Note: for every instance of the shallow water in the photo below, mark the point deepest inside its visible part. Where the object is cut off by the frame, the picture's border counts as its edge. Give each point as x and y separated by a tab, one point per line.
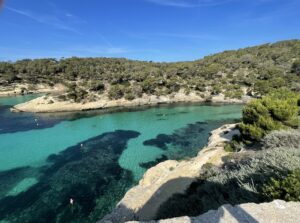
92	158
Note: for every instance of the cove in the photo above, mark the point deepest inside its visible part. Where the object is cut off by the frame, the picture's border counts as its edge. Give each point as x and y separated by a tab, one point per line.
93	158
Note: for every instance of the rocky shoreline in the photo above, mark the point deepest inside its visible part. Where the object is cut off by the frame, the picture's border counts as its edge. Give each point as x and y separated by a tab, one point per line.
167	178
25	89
277	211
48	104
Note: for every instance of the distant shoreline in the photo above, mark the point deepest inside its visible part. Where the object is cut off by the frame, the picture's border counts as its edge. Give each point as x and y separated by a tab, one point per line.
50	104
15	90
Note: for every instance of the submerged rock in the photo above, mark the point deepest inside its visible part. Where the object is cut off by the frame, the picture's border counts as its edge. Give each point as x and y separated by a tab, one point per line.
79	184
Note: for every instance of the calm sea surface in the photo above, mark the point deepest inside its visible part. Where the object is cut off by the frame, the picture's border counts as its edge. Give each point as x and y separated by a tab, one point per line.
92	157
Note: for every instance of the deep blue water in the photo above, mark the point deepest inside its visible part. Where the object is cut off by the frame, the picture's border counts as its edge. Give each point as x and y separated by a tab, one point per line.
92	157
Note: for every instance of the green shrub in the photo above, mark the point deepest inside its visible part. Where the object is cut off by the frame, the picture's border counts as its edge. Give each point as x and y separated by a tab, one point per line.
287	188
296	67
233	146
116	92
97	86
228	148
149	85
254	110
76	93
277	110
217	89
234	93
129	94
251	132
173	85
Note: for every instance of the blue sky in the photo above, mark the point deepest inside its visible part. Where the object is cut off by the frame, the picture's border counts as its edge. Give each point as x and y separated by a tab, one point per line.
157	30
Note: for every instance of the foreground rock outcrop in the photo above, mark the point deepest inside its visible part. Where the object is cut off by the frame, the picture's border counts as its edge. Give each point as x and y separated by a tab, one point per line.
164	180
274	212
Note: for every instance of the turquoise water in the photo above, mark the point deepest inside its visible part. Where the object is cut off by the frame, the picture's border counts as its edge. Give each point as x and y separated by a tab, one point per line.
174	132
17	99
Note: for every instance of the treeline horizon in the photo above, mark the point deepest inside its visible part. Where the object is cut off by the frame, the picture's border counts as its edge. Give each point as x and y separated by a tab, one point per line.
140	60
257	69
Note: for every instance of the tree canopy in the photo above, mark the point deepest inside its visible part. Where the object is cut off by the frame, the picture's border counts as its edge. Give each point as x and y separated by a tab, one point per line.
258	69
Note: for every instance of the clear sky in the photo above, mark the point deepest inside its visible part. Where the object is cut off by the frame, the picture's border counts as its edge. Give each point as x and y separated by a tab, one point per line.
157	30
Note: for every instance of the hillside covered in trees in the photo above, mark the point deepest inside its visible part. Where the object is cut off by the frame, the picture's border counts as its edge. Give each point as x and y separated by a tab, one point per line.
253	71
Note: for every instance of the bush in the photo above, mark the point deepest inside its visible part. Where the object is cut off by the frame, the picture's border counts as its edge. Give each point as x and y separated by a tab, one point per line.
287	188
234	146
254	110
277	110
234	93
129	94
296	67
251	132
278	139
97	86
173	85
149	85
116	92
76	93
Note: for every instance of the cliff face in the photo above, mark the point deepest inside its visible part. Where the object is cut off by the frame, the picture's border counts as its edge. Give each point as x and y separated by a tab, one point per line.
162	181
275	212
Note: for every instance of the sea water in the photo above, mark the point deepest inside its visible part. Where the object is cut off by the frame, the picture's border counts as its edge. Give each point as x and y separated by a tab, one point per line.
93	157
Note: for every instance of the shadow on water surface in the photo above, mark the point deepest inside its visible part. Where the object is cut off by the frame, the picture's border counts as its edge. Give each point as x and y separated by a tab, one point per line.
186	141
182	143
150	164
12	122
88	173
16	122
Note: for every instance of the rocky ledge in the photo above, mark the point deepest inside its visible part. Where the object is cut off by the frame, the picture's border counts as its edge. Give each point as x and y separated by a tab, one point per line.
275	212
167	178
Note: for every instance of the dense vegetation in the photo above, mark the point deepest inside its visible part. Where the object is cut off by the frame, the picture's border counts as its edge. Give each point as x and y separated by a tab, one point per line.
287	188
277	110
256	70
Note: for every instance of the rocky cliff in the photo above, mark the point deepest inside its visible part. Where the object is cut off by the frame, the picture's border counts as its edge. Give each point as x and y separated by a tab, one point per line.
162	181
